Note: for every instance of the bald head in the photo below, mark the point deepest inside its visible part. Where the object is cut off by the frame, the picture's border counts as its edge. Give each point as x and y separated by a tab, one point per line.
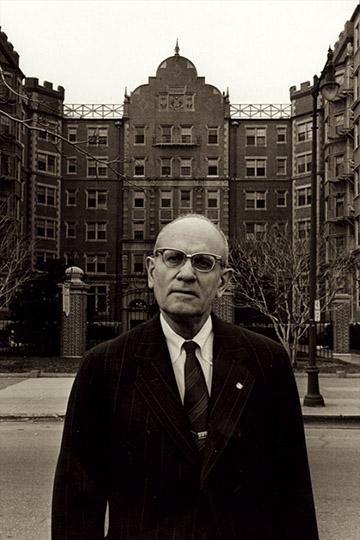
196	229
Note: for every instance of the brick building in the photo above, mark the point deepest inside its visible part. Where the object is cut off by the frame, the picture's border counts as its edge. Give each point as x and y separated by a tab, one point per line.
97	196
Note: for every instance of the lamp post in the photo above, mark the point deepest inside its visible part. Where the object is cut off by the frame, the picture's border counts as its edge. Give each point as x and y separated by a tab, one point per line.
327	85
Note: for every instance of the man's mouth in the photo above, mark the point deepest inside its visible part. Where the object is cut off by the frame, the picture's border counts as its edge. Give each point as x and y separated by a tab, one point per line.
186	293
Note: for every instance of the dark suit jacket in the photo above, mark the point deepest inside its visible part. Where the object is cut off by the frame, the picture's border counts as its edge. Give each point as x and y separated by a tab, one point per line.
126	441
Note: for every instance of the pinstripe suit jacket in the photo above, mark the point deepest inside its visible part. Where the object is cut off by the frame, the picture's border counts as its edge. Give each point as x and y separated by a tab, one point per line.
126	441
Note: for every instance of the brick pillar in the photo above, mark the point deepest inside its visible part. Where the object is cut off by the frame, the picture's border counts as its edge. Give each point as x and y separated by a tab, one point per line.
341	324
73	323
224	307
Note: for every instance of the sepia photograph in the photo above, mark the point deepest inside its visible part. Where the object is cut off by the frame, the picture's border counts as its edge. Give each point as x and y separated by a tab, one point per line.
180	269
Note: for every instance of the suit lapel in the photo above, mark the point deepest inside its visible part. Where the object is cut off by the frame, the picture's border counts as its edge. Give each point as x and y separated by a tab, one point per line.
231	386
157	385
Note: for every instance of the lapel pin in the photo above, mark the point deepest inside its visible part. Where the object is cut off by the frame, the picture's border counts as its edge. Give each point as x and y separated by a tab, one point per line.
239	386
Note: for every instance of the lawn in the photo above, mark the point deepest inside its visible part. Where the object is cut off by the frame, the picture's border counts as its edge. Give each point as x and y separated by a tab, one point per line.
55	364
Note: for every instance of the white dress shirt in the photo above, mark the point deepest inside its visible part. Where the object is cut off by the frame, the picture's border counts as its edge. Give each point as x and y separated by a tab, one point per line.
204	353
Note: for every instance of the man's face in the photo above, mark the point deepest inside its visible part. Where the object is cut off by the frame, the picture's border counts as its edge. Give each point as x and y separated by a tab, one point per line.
183	292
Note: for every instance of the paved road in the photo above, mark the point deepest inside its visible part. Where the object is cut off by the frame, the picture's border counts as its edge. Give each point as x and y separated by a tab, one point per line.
29	451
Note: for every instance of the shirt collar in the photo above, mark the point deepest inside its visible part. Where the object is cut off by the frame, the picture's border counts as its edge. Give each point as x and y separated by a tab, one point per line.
175	342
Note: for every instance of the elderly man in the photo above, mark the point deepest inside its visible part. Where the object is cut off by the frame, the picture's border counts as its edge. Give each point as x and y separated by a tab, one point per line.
188	427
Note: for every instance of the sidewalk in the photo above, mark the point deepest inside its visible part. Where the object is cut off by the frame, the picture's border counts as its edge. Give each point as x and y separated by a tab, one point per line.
45	398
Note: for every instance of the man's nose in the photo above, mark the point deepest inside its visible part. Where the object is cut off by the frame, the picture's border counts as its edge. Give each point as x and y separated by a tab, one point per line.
187	271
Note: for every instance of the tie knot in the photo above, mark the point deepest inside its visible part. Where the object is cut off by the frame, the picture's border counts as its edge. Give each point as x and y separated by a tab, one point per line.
190	347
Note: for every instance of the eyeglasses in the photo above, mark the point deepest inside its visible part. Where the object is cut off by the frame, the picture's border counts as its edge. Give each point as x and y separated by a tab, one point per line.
175	258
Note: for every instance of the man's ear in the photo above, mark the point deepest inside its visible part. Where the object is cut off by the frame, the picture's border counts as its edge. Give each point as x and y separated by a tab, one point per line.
150	266
224	281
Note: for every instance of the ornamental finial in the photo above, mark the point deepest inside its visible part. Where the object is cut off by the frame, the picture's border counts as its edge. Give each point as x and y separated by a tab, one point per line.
177	48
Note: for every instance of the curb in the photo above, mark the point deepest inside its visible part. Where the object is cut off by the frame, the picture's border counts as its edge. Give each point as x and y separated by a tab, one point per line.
332	420
308	419
36	374
32	417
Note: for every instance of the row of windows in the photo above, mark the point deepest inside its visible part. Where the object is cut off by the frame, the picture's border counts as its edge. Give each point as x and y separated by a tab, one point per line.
96	199
254	167
96	136
185	167
257	136
256	230
170	134
256	200
183	134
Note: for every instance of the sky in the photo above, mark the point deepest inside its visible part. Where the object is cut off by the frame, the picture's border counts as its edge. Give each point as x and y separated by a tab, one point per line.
94	49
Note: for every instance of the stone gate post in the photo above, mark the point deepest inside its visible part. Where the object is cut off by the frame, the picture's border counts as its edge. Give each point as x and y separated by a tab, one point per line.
73	320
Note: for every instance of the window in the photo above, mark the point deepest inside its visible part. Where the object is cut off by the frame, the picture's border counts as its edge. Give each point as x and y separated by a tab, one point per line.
213	167
71	165
339	205
186	134
139	231
213	135
70	229
166	134
212	199
165	167
254	231
97	300
45	228
97	168
5	125
5	164
46	195
139	167
339	165
72	133
138	264
303	196
281	165
139	206
255	136
166	204
303	229
139	135
281	134
49	131
97	136
139	201
185	167
339	119
255	167
96	230
303	164
97	199
356	37
70	197
281	197
185	199
43	257
255	200
304	131
280	228
46	162
165	199
95	264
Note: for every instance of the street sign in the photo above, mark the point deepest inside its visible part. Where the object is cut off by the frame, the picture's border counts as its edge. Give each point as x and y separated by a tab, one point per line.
317	311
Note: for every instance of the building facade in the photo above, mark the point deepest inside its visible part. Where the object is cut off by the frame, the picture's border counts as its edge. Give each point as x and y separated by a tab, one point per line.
93	185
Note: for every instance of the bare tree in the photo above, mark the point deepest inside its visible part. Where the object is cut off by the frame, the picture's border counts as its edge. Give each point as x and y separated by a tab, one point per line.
15	253
271	275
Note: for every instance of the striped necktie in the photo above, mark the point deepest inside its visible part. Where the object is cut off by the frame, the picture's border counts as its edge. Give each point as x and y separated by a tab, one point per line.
196	396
